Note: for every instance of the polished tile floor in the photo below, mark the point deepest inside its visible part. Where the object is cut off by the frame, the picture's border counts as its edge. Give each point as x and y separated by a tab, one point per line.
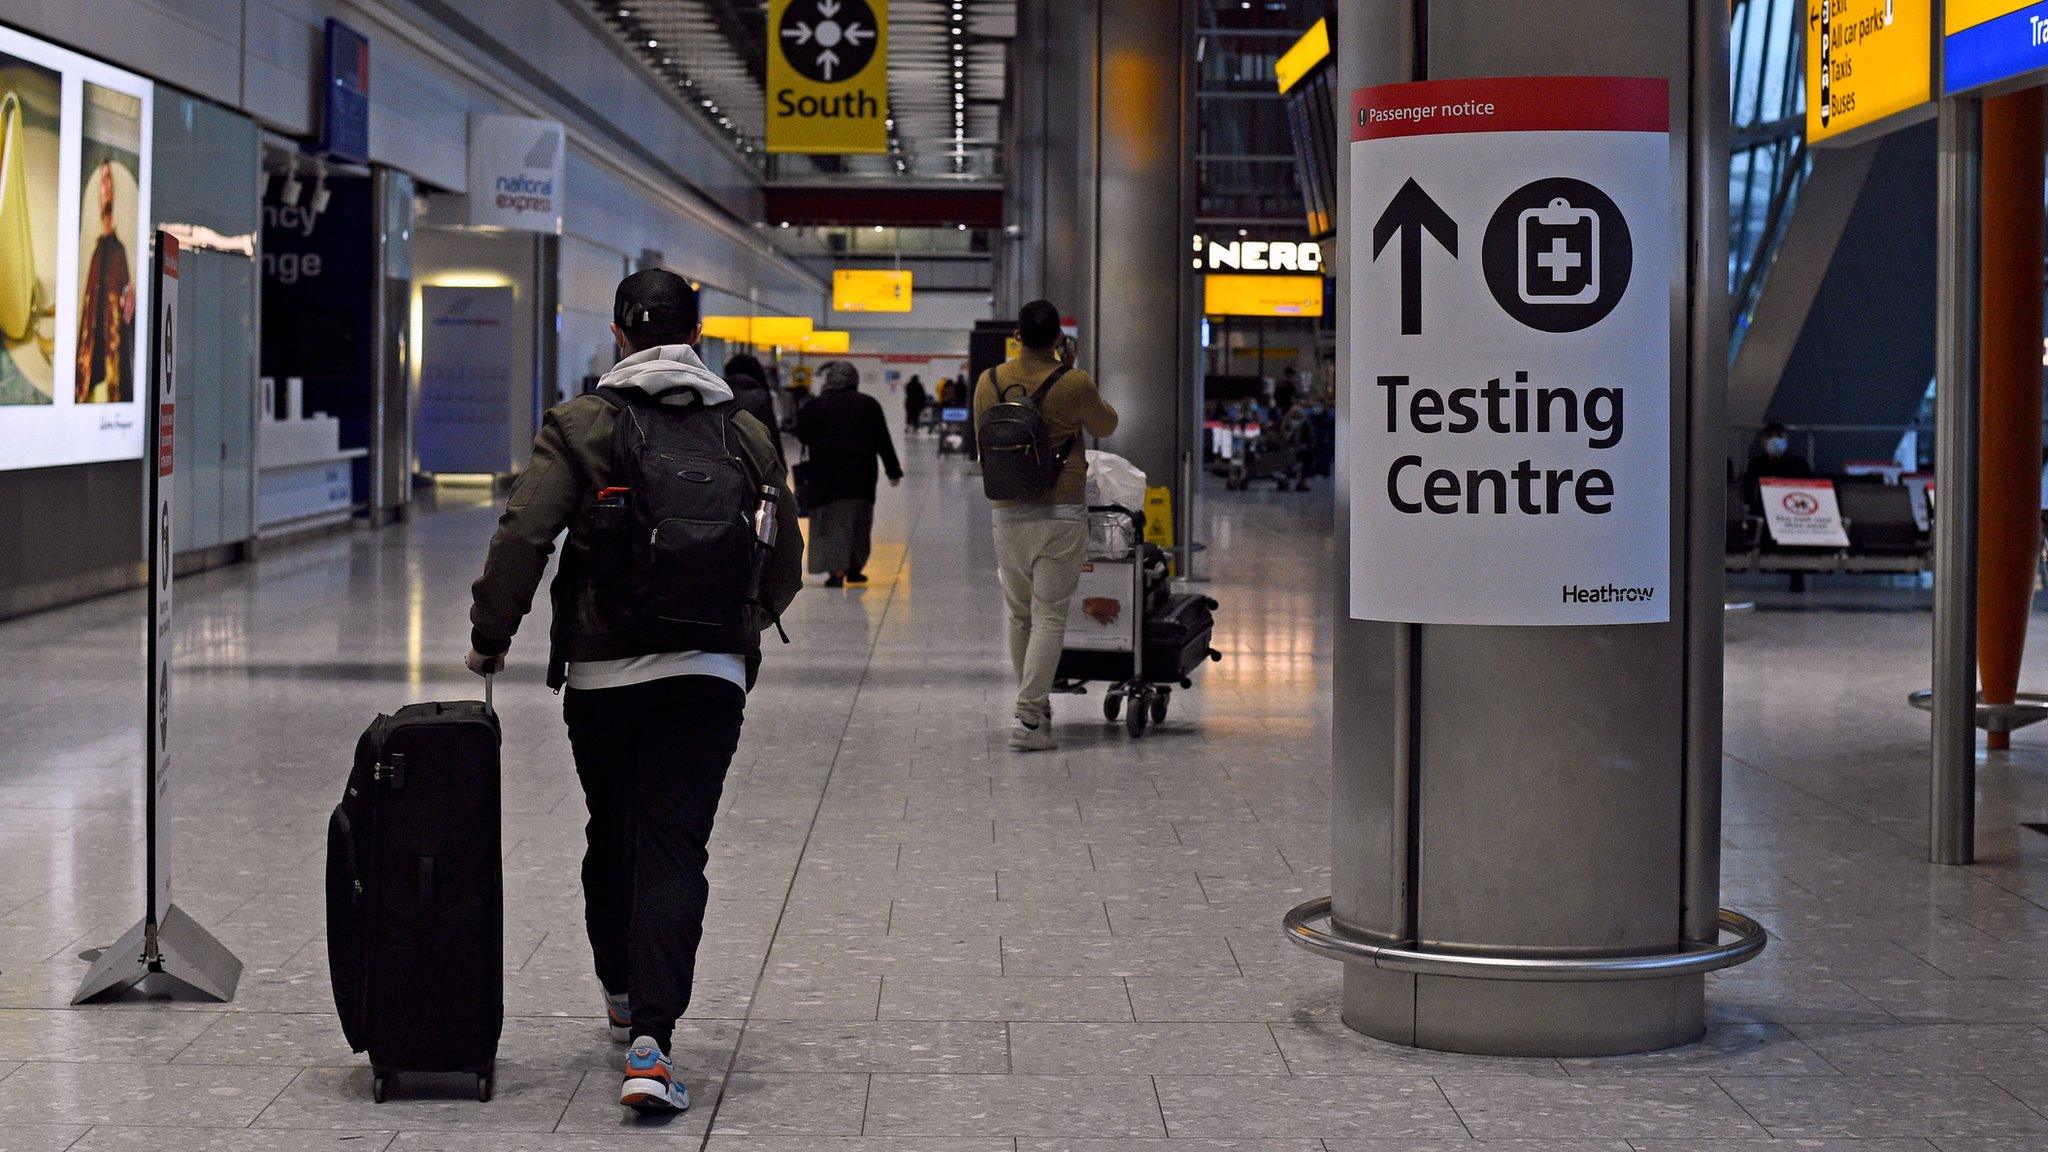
921	943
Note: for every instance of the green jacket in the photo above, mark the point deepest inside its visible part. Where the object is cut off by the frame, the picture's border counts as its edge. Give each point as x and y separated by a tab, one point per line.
572	460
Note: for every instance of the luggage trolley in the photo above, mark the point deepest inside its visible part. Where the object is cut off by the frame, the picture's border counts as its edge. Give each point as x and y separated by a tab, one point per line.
1121	585
953	430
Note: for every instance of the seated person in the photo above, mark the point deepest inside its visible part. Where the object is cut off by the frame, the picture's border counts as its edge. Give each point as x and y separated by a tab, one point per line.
1773	457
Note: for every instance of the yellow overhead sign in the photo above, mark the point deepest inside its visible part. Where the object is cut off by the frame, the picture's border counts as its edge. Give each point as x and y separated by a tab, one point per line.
783	331
870	290
1960	14
1225	294
1312	49
736	328
1866	61
825	340
828	76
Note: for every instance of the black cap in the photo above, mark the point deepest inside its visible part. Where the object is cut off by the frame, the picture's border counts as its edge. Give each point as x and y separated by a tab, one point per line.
656	304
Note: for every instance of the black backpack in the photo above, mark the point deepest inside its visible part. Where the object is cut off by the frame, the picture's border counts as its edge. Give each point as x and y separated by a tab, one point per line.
676	558
1018	458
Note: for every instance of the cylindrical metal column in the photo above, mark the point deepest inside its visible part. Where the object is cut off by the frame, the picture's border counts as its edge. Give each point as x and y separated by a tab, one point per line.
1518	844
1952	807
1118	211
2009	445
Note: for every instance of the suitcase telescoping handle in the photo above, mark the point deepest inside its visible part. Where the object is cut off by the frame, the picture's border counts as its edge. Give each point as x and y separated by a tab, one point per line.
490	678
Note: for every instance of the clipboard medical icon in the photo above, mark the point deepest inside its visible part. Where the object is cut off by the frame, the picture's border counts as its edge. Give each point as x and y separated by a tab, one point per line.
1558	254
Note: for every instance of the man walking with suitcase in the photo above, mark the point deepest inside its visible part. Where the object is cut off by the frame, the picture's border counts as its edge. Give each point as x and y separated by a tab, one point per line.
1029	414
683	545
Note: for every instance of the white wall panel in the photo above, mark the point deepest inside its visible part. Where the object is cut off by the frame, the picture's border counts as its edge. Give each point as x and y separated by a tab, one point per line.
191	43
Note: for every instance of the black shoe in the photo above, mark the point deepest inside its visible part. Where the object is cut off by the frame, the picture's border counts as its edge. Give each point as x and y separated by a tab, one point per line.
856	577
835	582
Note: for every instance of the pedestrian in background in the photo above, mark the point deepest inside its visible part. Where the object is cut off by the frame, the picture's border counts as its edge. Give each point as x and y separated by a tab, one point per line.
749	383
846	433
915	400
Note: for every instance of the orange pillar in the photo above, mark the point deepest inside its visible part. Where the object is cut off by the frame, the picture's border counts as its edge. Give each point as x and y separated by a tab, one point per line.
2009	452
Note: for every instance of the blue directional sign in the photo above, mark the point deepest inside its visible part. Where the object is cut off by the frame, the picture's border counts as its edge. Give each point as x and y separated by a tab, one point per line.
1992	40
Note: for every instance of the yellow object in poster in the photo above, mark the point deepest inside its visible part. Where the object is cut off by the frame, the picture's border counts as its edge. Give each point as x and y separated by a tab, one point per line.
870	290
1159	516
1012	347
1227	294
828	76
1866	61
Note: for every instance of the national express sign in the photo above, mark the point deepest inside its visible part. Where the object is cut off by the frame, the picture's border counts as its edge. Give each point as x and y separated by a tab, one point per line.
828	76
515	173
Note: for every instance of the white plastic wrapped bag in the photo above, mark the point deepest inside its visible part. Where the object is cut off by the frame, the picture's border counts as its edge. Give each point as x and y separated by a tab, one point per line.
1114	480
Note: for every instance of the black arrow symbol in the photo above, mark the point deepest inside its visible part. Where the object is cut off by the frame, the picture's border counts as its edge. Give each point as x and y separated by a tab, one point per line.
1411	213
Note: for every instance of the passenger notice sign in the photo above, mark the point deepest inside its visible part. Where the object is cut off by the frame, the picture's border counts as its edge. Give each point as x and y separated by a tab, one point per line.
828	76
1509	435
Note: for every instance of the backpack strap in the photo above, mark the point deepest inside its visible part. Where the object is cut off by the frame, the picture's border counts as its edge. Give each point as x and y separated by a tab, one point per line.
1067	446
1045	388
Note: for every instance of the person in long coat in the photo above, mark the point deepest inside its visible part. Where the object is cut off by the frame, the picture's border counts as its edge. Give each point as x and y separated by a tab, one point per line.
846	433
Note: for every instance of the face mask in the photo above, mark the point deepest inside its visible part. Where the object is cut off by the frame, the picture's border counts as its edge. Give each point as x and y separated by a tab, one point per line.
1775	445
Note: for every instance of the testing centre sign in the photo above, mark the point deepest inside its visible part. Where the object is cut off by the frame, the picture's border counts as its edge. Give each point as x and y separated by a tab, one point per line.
1868	62
1510	415
828	76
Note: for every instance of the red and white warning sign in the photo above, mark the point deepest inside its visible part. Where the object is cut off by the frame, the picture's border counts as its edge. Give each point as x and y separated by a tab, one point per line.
1802	512
1509	432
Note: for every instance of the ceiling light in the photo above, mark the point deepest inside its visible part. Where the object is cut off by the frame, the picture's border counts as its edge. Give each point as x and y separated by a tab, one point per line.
878	227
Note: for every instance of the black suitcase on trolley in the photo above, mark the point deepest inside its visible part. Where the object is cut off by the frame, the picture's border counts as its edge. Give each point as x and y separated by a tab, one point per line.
1177	637
415	895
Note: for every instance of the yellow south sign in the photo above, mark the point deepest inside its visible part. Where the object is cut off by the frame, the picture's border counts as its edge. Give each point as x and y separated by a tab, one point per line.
828	76
1866	61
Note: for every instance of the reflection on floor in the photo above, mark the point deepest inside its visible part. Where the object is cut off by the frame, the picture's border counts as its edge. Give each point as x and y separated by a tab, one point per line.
922	943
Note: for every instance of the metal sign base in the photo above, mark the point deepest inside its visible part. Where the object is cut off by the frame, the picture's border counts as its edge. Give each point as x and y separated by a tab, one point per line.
178	948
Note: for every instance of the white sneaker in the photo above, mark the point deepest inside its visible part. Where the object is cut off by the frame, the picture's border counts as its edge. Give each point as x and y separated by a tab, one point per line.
1032	738
618	1016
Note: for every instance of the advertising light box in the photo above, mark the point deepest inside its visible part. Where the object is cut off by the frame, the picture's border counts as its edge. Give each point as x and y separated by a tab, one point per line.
74	256
1227	294
870	290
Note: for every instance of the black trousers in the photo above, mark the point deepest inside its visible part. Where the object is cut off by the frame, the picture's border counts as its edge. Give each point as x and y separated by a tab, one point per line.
652	758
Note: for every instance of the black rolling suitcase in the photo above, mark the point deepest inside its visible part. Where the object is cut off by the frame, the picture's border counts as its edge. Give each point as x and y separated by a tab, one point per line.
415	895
1177	637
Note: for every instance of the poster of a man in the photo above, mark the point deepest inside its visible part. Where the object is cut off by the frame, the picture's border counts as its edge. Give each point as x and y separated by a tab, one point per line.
30	118
107	247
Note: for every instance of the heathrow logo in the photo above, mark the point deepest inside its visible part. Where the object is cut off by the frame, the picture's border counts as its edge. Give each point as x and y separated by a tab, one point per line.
829	40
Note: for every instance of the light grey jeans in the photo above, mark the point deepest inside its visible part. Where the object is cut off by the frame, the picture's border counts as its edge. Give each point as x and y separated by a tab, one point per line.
1039	555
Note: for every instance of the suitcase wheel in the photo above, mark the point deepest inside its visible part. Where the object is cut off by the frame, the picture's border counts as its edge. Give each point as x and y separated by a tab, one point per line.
379	1086
485	1081
1112	705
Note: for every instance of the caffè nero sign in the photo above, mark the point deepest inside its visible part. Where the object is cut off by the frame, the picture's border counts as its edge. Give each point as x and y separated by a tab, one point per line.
1258	255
